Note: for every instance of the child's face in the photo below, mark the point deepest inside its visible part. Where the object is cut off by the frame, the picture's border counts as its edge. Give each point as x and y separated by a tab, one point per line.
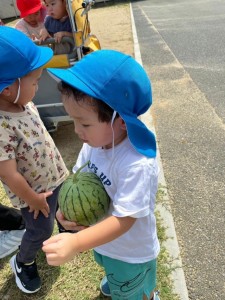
33	19
56	8
87	126
28	87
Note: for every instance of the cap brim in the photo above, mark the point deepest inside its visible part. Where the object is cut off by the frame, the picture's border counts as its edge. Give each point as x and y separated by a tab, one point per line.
70	78
46	54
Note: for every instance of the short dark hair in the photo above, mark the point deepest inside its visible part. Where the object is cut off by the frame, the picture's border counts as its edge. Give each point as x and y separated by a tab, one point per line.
103	110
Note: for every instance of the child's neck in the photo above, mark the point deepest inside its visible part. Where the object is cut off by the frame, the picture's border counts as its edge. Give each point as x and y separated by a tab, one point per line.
10	107
63	18
117	141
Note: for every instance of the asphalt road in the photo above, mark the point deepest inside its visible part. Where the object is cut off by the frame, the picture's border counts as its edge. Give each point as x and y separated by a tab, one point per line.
182	48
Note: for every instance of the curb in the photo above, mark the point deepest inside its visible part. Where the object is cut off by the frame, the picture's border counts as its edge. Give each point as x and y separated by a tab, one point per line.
172	246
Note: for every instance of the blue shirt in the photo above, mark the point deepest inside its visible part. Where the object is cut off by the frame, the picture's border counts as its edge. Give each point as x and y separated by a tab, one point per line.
53	25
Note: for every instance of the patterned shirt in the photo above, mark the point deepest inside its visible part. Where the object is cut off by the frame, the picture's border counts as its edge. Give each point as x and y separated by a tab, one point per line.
23	137
23	26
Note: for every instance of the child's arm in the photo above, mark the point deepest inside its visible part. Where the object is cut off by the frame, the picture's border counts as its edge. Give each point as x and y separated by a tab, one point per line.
19	186
59	35
63	247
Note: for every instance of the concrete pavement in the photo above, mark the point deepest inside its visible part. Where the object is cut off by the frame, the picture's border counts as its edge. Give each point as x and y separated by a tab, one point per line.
190	132
171	244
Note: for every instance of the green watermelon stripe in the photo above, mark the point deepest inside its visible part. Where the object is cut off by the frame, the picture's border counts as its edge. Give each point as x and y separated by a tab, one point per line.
61	202
99	197
95	183
71	212
81	205
65	206
91	208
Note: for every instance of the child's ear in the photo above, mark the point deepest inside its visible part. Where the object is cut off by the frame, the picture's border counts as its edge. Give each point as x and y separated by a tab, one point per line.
6	91
123	124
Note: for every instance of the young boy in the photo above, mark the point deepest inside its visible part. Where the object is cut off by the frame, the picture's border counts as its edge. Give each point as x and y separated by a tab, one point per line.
105	93
57	25
31	22
31	167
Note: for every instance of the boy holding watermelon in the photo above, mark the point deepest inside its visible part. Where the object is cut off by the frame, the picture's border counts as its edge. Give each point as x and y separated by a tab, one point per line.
105	93
31	167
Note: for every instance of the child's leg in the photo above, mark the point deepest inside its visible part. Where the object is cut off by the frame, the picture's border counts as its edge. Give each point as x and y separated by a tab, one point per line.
153	296
37	230
128	281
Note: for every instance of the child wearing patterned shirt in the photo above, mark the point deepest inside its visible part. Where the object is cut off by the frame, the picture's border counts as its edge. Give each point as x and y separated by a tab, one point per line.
31	167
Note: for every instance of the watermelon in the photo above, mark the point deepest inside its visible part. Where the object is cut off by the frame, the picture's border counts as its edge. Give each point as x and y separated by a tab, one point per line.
83	199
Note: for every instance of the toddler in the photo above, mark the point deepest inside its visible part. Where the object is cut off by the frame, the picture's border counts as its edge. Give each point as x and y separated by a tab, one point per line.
31	167
32	15
57	25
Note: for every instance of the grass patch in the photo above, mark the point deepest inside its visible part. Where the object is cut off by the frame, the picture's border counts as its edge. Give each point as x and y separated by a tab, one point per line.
80	278
165	268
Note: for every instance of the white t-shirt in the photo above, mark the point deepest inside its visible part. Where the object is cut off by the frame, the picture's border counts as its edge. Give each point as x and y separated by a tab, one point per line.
131	181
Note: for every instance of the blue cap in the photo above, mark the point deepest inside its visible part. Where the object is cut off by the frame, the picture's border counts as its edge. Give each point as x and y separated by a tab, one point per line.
19	56
122	83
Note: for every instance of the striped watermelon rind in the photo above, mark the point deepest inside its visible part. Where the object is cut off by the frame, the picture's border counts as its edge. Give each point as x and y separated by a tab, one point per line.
83	198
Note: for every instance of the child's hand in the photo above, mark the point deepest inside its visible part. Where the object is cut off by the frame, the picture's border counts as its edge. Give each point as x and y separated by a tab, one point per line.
33	37
40	205
60	248
68	225
44	35
58	36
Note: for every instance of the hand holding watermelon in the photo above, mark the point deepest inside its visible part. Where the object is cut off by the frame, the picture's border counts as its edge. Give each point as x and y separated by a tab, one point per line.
83	199
68	225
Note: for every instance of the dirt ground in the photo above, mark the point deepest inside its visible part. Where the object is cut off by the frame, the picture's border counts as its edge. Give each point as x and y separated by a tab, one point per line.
112	25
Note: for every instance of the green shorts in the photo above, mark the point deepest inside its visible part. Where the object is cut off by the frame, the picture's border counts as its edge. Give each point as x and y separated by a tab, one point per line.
128	281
